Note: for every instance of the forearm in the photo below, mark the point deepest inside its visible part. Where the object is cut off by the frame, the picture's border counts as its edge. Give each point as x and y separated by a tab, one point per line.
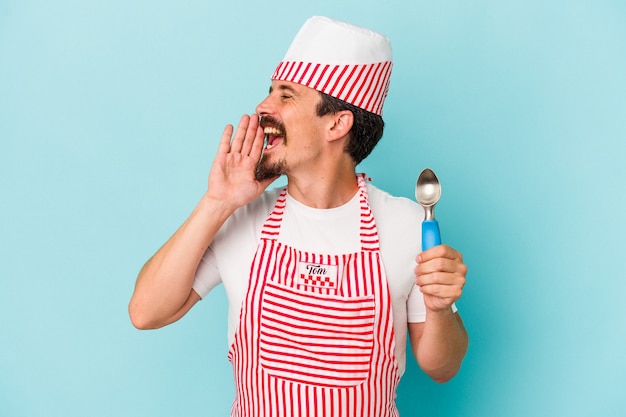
164	283
163	292
442	345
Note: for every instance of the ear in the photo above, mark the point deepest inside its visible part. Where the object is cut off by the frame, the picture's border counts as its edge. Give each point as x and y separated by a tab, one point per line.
340	124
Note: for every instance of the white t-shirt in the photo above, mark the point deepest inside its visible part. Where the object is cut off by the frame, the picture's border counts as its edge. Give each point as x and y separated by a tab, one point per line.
328	231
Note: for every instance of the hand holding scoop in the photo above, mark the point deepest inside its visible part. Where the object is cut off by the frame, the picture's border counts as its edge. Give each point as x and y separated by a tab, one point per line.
427	193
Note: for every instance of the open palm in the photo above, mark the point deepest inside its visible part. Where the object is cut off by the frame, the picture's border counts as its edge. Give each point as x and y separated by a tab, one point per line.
231	179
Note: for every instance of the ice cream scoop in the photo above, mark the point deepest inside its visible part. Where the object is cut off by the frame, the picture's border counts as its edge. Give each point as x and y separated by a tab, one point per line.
427	194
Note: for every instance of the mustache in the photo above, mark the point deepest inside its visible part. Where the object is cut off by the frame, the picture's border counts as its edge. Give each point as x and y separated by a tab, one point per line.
269	121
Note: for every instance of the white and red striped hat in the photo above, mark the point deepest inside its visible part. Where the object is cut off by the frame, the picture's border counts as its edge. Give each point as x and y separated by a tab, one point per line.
348	62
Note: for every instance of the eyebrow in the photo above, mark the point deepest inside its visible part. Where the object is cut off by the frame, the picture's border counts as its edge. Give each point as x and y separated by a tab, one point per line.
284	87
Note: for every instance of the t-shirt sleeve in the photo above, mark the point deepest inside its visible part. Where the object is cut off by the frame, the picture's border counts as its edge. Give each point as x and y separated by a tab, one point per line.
207	275
236	240
416	311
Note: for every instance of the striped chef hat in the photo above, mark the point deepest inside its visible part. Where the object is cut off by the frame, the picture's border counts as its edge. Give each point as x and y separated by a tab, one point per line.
348	62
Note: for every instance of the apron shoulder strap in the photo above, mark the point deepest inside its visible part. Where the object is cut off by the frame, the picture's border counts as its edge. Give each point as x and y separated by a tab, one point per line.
369	232
271	227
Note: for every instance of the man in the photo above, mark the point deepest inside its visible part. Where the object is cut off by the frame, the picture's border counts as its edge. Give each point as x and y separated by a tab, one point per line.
324	276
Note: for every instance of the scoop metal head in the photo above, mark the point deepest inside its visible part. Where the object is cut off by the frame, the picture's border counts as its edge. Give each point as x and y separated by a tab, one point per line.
428	192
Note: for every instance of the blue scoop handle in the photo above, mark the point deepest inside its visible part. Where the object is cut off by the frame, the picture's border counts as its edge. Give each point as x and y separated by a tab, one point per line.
430	234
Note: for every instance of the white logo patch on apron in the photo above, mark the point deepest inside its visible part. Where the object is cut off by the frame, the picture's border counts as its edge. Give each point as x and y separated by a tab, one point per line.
318	275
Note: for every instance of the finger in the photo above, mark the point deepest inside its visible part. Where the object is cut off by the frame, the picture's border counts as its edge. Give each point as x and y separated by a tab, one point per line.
439	265
240	134
224	146
257	144
251	135
440	278
449	292
439	251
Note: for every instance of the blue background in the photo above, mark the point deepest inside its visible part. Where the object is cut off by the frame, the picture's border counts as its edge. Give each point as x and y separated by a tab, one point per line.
110	112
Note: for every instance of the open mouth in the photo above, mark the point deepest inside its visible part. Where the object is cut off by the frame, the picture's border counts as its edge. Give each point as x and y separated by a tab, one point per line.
273	136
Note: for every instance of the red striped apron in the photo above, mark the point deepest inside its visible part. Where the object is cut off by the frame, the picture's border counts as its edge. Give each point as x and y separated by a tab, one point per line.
315	336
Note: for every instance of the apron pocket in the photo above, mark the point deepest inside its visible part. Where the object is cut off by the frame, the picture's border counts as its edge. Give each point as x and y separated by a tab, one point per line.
316	339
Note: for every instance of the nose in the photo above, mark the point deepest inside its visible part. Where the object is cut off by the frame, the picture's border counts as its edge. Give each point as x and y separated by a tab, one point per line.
264	107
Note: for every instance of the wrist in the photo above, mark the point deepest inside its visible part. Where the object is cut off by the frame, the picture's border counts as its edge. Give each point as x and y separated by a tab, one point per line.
440	313
216	208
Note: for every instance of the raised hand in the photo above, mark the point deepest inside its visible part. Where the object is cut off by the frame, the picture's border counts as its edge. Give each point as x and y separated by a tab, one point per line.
440	274
231	179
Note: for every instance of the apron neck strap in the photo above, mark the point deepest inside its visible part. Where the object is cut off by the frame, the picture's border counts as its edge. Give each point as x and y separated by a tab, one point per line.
368	232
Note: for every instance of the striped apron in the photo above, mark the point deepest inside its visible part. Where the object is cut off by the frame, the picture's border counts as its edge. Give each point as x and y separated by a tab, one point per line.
315	336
